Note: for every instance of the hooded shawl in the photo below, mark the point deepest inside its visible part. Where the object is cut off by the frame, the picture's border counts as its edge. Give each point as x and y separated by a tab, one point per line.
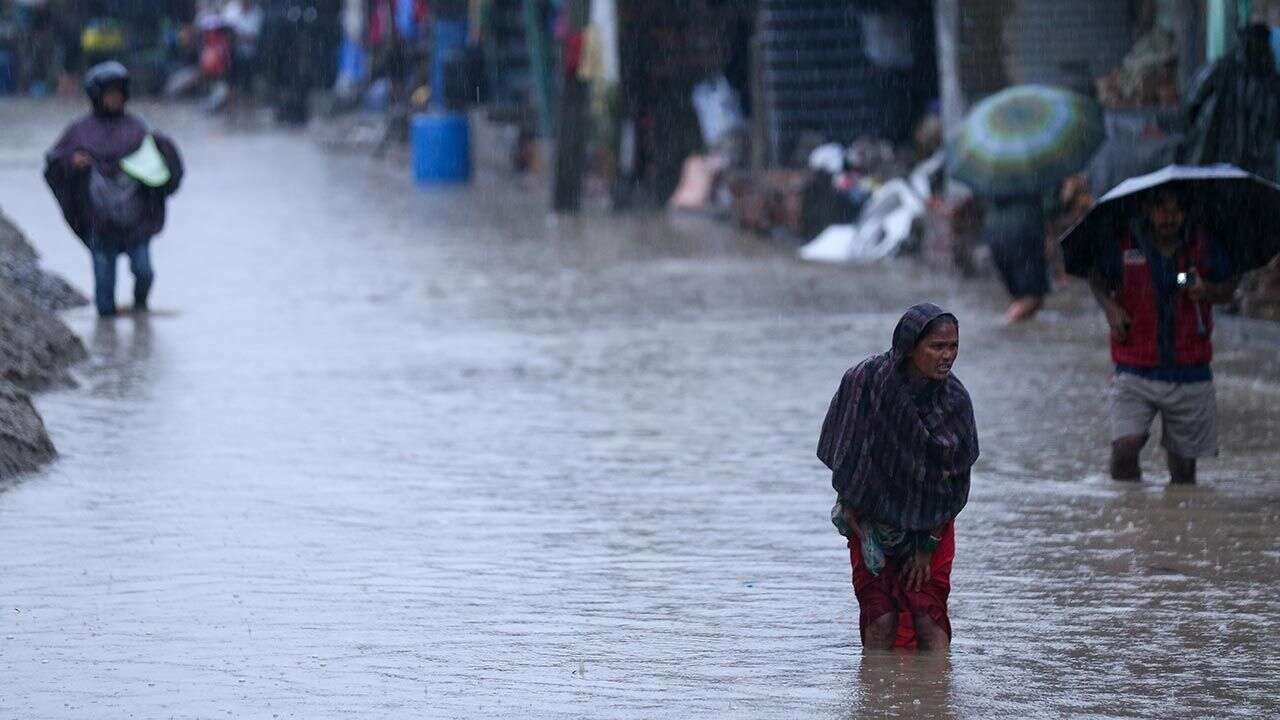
107	139
900	455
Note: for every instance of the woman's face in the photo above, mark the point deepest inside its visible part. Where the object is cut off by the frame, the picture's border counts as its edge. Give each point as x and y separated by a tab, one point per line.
936	352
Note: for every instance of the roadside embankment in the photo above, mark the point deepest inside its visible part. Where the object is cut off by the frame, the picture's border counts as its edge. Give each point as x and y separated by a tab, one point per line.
36	349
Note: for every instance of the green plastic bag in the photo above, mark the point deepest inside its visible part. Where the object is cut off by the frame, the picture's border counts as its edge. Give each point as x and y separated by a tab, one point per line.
146	164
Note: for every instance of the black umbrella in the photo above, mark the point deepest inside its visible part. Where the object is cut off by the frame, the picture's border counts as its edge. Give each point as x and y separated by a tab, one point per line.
1240	209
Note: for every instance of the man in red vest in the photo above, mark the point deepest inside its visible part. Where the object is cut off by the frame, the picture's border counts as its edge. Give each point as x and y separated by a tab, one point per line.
1158	290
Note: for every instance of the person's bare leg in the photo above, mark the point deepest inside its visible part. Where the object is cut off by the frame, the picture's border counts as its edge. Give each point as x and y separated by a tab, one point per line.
1182	471
881	633
1023	309
929	634
1125	454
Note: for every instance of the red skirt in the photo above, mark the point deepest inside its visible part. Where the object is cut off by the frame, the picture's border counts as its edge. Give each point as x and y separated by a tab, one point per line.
880	595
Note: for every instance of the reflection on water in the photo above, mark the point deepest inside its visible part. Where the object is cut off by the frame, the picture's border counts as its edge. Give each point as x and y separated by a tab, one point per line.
423	454
898	684
120	348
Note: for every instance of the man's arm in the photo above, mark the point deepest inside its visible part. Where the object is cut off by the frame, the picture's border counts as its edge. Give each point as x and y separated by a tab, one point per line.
1217	282
1117	318
1214	293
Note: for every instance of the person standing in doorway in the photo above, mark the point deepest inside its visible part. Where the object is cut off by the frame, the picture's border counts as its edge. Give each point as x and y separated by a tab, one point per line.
112	177
1157	288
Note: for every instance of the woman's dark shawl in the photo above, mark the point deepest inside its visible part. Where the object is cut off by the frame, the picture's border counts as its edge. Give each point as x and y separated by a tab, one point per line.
900	457
107	140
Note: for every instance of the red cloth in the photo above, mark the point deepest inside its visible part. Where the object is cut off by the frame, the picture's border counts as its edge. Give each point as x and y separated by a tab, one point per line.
215	55
1138	297
573	46
883	594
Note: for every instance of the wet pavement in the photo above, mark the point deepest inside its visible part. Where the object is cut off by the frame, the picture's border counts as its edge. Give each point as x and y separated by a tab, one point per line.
383	452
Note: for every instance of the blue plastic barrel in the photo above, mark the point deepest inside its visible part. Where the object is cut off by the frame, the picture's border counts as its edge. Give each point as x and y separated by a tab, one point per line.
441	144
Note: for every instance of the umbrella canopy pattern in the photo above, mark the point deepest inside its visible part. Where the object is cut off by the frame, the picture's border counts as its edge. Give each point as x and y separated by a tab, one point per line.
1025	139
1241	210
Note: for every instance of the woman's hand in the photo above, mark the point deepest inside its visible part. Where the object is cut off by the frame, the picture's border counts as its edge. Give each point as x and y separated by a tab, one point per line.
80	160
916	570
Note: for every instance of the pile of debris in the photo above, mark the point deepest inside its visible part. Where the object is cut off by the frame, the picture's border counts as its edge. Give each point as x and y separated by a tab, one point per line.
860	202
36	349
886	201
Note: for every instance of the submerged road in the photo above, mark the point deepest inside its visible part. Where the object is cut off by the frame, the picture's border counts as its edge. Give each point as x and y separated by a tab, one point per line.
389	453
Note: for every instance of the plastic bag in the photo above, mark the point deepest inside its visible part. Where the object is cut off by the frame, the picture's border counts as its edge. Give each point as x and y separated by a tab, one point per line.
117	202
718	108
885	227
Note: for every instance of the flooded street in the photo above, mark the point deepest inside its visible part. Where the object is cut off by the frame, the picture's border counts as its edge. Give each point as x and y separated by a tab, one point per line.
384	452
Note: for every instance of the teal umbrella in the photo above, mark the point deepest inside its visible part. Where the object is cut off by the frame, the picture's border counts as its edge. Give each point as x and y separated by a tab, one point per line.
1024	140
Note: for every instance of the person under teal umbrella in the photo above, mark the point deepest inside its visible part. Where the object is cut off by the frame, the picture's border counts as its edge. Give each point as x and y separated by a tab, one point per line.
1013	148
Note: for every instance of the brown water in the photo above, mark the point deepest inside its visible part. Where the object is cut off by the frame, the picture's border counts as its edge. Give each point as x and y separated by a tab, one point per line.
393	453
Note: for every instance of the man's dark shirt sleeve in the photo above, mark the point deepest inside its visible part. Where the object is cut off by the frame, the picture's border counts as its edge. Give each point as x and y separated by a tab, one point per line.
1221	268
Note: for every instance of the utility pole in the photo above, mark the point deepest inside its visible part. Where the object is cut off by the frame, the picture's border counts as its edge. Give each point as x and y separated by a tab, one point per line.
946	20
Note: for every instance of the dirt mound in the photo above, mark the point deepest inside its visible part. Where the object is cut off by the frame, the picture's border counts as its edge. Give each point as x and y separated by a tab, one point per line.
36	349
24	443
20	270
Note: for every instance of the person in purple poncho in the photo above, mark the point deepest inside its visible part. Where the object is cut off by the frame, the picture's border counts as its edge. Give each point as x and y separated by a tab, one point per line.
113	206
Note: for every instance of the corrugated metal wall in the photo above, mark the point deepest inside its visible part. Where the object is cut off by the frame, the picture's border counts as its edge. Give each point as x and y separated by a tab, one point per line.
1067	43
981	47
817	77
1004	42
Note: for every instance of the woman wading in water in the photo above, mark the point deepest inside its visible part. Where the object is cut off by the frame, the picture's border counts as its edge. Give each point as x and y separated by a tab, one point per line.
900	440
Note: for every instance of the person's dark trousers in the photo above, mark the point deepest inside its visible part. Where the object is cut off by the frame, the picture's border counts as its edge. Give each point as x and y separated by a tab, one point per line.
106	252
1015	233
1022	264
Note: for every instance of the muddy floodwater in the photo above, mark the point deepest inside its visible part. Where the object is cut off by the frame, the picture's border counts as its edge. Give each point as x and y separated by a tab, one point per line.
386	453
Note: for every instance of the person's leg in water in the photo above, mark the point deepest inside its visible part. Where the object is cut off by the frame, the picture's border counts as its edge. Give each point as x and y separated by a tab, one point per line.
104	277
929	634
1023	308
891	614
881	633
1018	252
1190	429
1182	470
1132	412
143	275
1020	270
1126	454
